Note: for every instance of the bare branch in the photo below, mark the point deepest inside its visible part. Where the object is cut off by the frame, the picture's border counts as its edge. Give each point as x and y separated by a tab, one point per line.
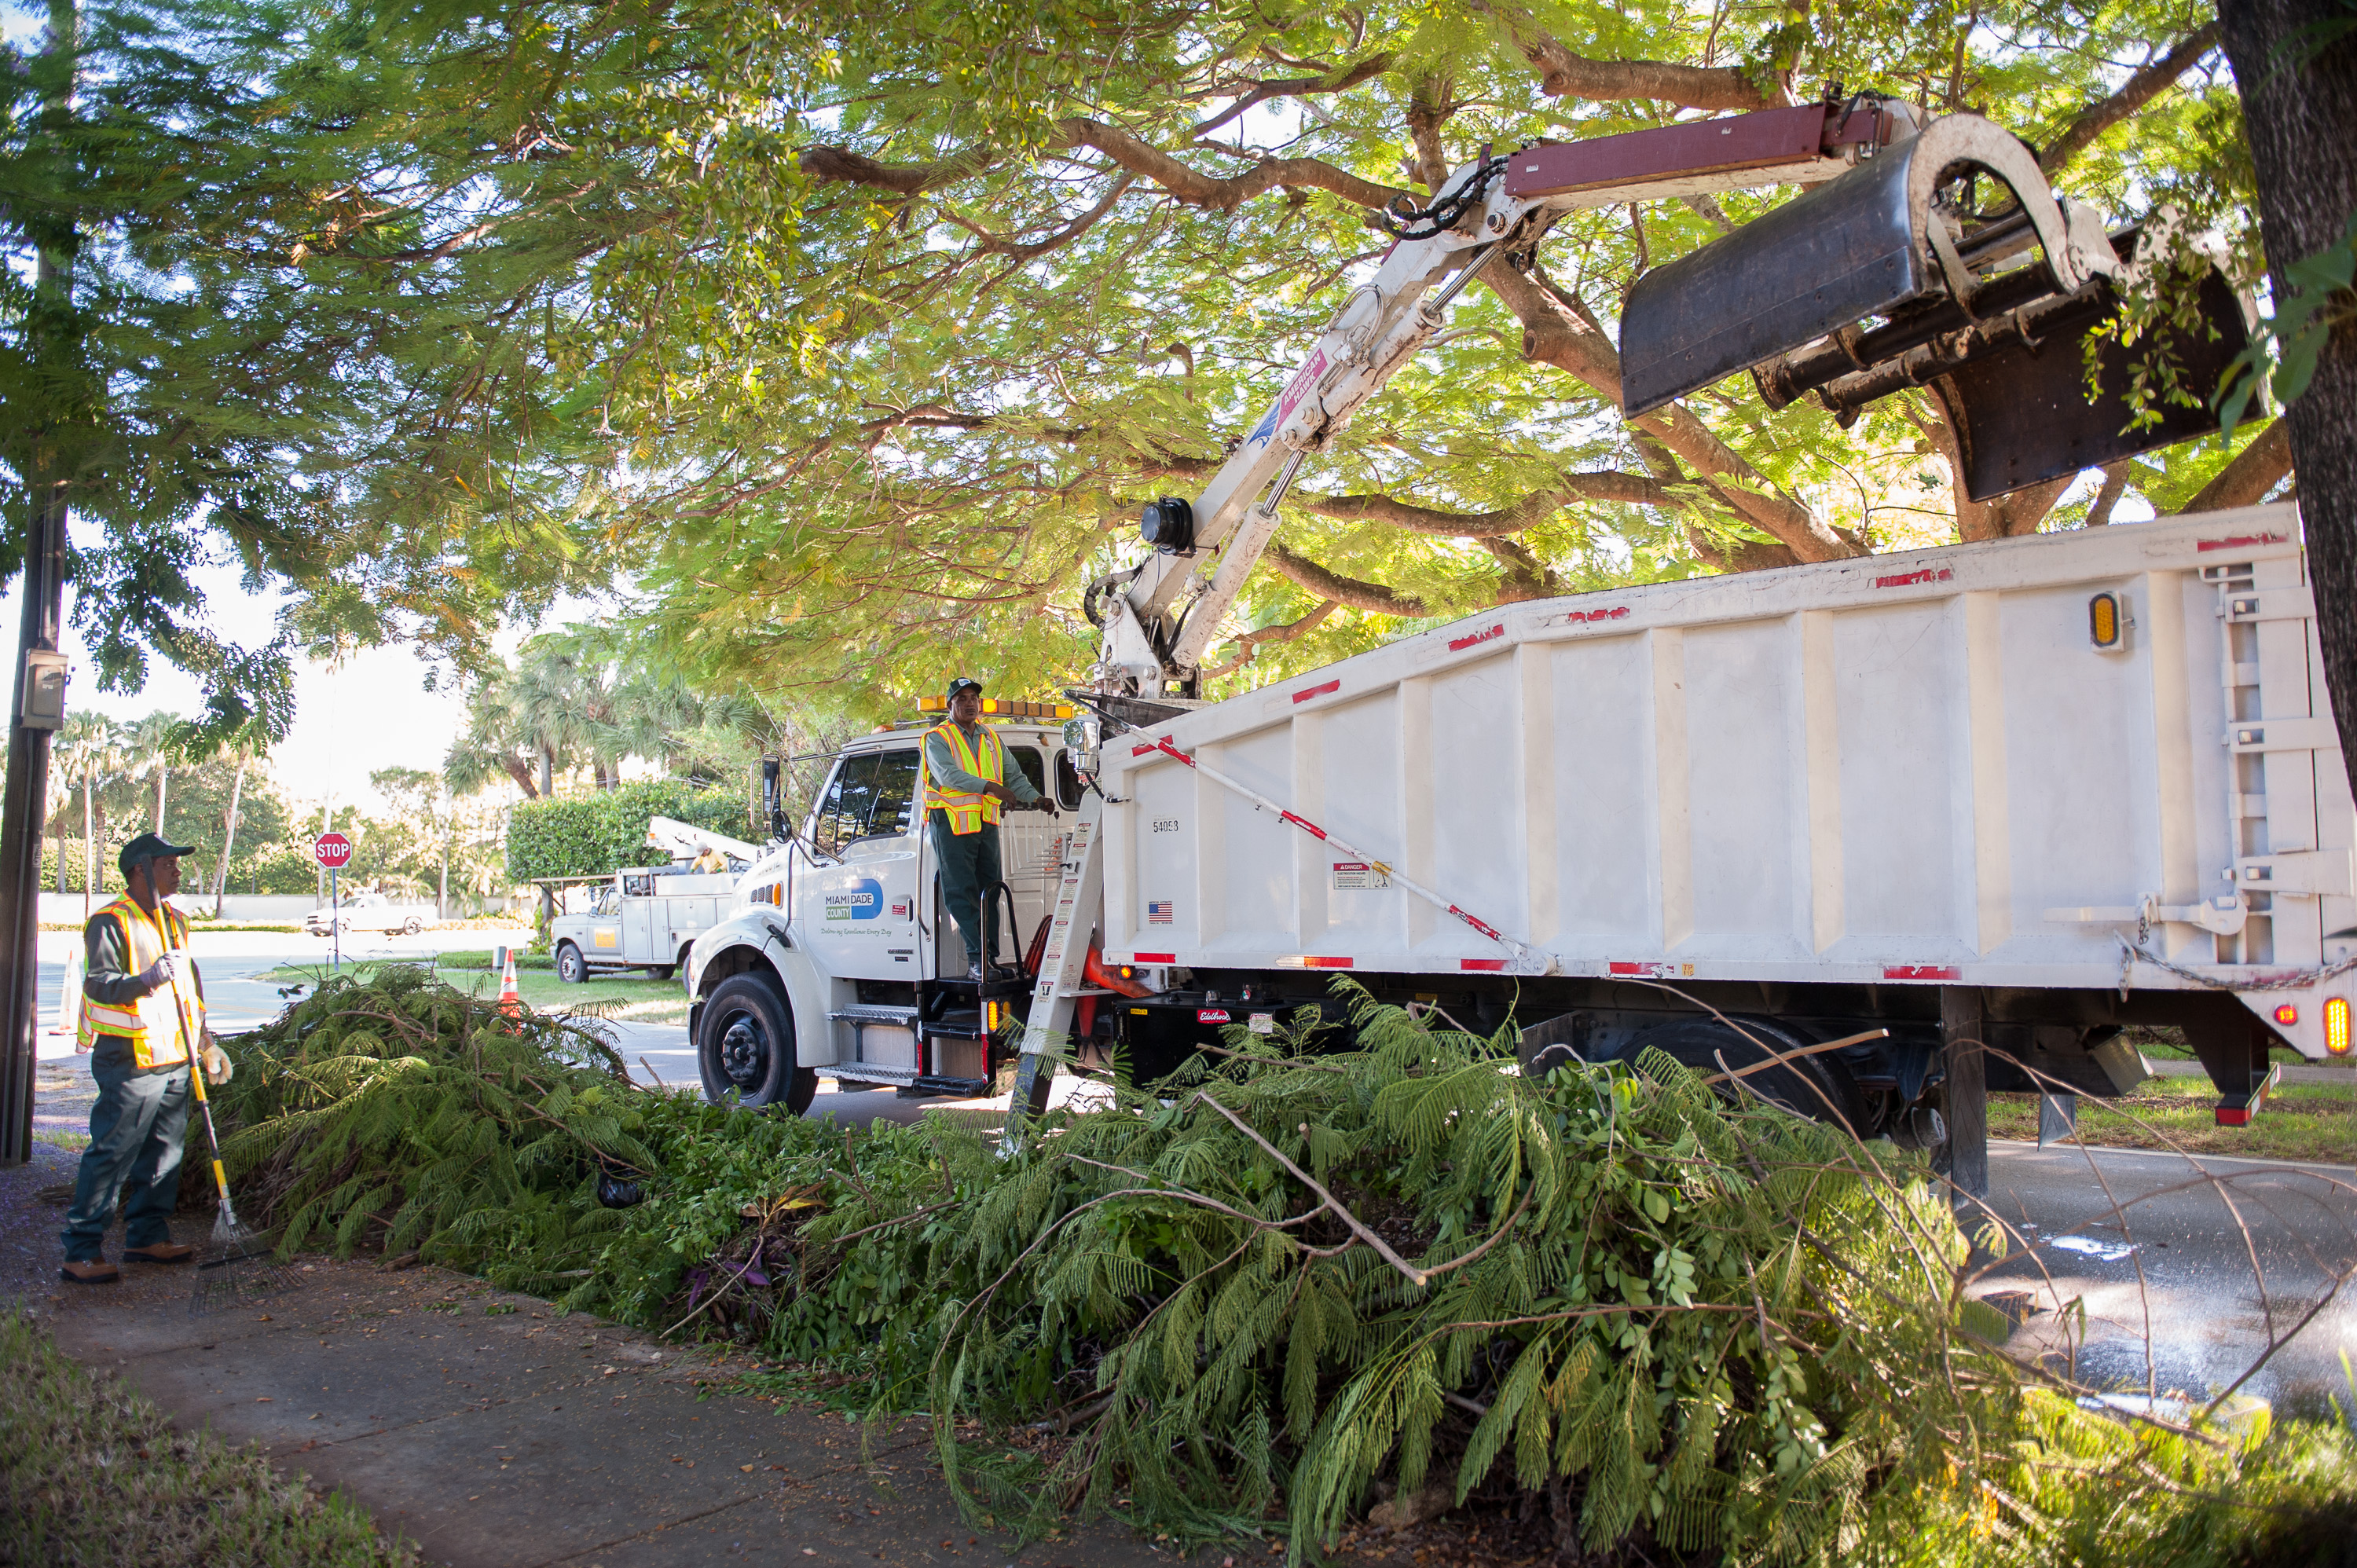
2115	484
2139	90
1629	490
1297	87
1351	591
1250	642
1562	74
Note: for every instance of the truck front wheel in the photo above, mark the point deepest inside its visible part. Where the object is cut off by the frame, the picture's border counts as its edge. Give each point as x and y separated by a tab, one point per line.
745	1047
571	967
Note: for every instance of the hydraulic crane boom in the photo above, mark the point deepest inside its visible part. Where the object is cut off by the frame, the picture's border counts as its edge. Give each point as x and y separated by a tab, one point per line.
1880	234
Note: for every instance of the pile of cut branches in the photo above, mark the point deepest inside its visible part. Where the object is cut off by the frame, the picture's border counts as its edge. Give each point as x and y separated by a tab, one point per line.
389	1109
1284	1285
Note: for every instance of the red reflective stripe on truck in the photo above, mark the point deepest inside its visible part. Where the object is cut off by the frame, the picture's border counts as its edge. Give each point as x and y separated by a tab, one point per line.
1305	695
1459	644
2236	542
1153	958
1909	579
1920	971
1481	963
1314	963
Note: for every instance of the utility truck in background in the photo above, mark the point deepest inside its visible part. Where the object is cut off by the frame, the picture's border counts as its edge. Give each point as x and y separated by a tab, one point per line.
647	917
1884	832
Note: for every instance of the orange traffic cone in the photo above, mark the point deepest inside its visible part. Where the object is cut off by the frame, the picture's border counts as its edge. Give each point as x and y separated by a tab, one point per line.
511	1000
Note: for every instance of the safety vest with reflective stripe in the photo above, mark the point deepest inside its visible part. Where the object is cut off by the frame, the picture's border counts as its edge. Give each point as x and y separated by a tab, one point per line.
148	1023
988	762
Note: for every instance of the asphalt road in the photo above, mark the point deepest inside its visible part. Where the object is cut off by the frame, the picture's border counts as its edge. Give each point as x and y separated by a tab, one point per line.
2191	1271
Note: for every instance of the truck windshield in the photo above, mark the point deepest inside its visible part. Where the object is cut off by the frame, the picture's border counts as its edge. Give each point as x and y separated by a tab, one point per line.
869	795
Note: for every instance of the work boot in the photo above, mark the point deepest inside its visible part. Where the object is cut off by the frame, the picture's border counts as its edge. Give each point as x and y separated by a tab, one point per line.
89	1271
973	969
160	1252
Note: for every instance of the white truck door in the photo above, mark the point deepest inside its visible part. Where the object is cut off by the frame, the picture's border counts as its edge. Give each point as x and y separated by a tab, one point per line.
859	914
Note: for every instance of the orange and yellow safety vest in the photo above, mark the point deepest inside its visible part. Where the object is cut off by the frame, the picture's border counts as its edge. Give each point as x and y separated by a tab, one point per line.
967	812
158	1035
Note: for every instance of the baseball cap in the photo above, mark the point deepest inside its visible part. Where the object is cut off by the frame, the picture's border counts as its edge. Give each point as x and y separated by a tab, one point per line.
147	847
963	683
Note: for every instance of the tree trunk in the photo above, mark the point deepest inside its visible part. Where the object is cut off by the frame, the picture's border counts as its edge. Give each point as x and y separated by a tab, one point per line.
163	783
547	771
229	839
89	844
2299	110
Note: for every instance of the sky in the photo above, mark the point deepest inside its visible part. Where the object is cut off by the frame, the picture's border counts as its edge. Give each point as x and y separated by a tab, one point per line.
369	712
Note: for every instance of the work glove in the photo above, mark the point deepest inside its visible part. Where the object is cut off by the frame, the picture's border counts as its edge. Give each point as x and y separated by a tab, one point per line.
160	974
218	1069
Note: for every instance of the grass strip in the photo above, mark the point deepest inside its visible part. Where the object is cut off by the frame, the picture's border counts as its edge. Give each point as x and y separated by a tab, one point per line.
91	1473
2312	1122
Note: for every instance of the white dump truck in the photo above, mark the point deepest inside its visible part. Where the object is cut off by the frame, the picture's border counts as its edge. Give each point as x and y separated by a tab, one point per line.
1911	825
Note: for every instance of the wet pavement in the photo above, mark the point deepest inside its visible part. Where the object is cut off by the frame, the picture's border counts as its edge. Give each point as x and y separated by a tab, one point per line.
2193	1270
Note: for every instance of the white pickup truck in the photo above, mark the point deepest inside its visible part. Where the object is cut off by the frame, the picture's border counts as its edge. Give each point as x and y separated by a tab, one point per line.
369	912
645	919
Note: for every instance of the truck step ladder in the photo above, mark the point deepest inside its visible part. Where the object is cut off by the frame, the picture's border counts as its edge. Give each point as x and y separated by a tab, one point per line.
1063	969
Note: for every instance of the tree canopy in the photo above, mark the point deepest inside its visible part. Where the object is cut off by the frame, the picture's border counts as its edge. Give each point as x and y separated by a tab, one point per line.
856	338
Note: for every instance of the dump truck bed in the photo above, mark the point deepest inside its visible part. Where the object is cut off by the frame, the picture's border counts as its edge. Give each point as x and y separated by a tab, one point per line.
1921	768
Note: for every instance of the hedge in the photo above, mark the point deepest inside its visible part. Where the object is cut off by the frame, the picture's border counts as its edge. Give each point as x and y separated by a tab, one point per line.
592	835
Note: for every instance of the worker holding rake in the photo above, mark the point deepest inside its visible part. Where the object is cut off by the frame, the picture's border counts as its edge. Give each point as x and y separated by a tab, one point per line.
143	1003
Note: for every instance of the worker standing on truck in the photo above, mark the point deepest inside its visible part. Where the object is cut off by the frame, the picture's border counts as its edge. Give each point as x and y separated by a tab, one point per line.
143	1008
967	767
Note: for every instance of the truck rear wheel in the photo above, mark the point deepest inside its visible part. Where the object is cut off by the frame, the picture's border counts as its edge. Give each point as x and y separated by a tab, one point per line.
1818	1088
571	967
657	971
745	1047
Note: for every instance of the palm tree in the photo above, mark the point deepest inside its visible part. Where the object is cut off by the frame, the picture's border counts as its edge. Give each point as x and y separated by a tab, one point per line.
245	742
89	752
156	745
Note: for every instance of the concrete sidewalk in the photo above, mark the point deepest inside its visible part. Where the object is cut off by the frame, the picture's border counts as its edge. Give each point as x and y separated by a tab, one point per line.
497	1433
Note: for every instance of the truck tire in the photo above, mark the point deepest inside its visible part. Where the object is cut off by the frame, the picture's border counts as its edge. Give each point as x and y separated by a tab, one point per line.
657	972
571	967
1818	1088
745	1048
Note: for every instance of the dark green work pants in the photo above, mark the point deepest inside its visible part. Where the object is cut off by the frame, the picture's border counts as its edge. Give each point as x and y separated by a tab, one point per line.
969	863
136	1132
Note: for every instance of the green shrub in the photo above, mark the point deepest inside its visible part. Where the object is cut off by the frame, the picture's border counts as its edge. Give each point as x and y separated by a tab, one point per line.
592	835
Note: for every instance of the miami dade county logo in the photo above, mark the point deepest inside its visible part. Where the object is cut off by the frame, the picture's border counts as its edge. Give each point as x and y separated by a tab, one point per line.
862	900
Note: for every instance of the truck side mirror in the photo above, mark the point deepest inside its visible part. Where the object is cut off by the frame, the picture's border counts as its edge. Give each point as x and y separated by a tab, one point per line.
773	805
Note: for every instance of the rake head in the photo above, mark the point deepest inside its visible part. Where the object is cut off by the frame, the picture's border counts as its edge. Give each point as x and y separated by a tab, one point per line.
238	1270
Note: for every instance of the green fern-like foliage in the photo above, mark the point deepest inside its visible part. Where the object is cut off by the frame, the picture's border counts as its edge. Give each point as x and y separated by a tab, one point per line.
396	1111
1717	1329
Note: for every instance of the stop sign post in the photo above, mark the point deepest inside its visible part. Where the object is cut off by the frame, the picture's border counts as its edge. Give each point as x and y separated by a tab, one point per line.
334	852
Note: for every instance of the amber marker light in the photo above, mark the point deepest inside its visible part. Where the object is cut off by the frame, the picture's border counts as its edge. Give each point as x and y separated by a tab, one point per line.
2104	621
2336	1026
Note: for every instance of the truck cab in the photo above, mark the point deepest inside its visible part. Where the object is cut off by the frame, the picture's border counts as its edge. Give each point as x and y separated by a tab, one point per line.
841	960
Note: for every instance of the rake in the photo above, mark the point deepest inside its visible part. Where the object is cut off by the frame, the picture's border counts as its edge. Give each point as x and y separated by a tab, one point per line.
240	1269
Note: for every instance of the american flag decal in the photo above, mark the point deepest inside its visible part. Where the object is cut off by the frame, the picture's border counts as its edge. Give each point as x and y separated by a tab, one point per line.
1157	911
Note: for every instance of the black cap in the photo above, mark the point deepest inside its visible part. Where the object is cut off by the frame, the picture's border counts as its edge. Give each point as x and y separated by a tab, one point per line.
963	683
147	847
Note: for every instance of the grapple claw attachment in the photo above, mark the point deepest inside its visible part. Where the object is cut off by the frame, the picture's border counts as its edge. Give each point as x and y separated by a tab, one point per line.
1870	284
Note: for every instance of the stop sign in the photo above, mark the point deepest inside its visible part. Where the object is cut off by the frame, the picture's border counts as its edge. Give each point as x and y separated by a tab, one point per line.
333	851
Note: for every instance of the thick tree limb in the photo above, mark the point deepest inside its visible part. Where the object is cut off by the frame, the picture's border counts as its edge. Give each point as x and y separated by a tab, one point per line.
1350	591
1562	74
2254	471
2115	484
1178	181
1559	332
1527	577
2139	90
1740	554
1629	489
